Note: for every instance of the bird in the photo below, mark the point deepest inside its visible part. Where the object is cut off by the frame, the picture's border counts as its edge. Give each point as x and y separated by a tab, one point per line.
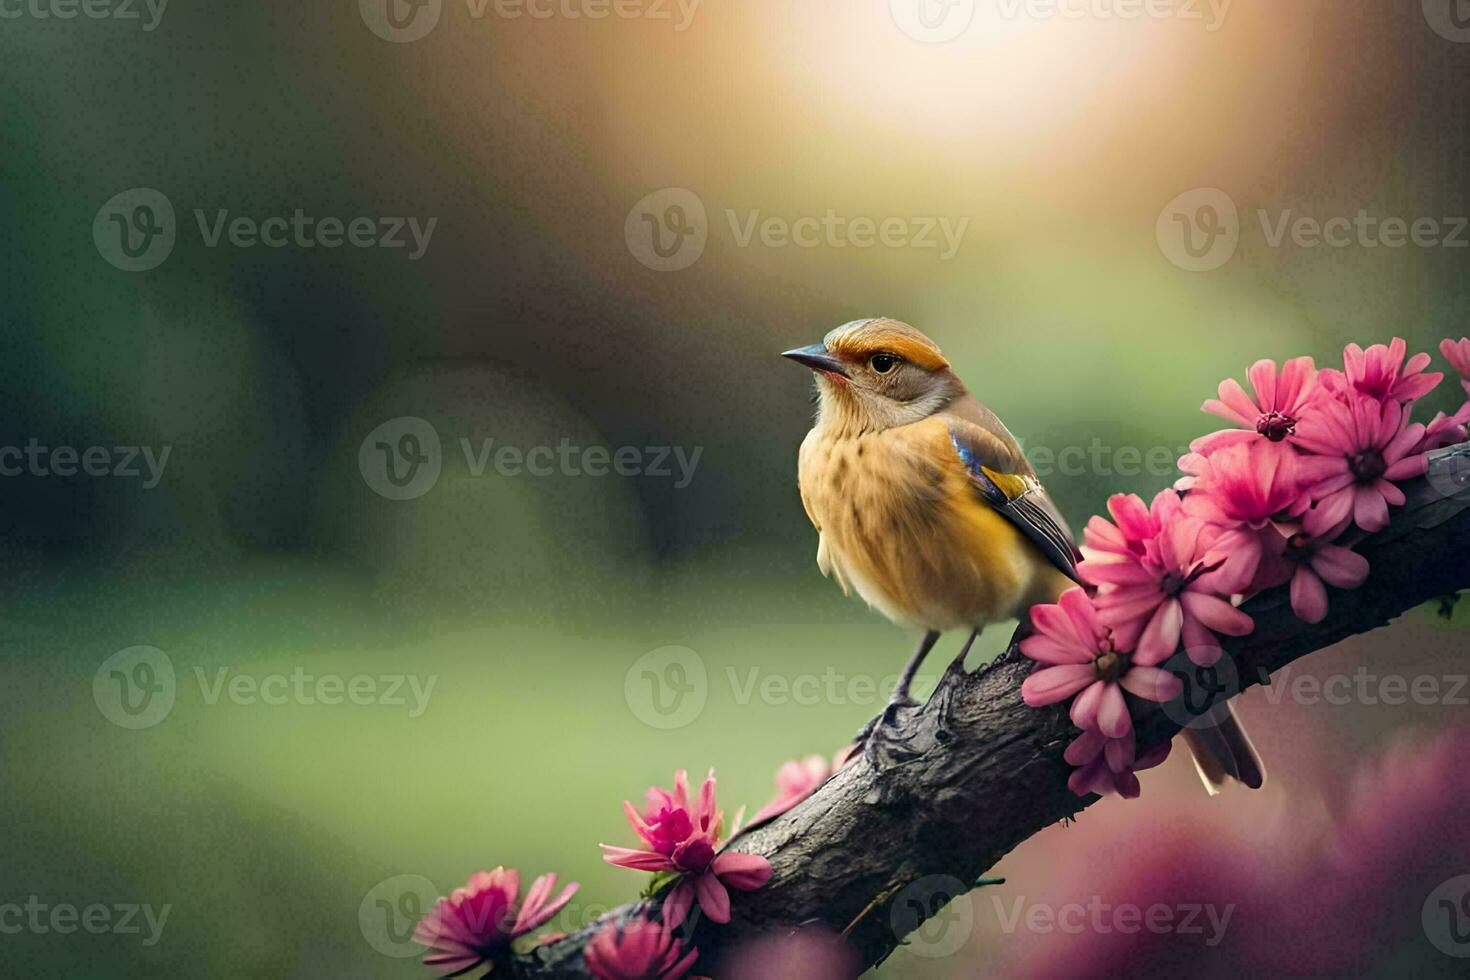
925	505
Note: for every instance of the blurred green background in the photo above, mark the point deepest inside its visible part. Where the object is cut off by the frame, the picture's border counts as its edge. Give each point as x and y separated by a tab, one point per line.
531	319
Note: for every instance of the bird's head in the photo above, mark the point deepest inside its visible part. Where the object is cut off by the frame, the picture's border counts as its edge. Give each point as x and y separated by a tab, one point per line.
879	373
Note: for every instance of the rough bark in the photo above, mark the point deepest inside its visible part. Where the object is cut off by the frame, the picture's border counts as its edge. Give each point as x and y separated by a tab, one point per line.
872	853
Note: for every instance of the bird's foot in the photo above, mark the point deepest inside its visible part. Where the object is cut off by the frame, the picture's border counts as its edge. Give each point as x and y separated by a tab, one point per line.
883	740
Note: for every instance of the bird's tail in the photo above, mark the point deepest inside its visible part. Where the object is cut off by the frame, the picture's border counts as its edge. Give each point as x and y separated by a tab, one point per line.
1222	750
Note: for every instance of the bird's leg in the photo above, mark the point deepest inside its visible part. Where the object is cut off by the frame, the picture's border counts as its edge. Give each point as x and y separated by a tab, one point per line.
879	736
911	670
958	664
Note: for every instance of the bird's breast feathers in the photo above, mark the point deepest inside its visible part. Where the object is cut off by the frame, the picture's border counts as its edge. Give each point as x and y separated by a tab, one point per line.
901	524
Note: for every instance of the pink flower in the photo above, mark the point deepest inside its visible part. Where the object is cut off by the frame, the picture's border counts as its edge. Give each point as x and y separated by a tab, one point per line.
642	948
1080	656
1281	399
1457	352
1157	578
798	779
1361	445
477	922
1307	563
1107	765
682	837
1381	374
1245	489
1446	430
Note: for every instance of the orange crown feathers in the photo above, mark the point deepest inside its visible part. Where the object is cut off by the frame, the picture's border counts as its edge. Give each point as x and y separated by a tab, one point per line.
861	339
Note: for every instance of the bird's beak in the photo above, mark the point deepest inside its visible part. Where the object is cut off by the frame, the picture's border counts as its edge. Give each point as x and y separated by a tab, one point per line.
817	358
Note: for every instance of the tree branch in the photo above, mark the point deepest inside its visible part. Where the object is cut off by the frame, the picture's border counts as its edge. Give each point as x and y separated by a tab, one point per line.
873	853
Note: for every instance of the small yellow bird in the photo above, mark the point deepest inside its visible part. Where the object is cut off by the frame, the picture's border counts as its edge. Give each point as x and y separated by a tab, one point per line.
922	499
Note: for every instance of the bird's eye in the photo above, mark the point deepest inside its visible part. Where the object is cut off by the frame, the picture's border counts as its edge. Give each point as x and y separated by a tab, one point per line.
883	363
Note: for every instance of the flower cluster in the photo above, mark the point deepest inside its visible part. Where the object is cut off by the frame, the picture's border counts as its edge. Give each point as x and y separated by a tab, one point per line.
475	925
473	929
681	837
641	948
1309	464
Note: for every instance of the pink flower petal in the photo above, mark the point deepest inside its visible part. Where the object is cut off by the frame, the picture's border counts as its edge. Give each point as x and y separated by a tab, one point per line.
1308	596
1084	709
1340	567
678	903
1114	573
625	857
1370	510
1052	684
1217	614
1161	637
742	872
1085	747
1152	684
1328	513
714	900
1112	712
1045	650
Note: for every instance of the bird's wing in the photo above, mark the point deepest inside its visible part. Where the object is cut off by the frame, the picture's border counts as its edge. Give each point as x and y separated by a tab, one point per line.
1007	483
